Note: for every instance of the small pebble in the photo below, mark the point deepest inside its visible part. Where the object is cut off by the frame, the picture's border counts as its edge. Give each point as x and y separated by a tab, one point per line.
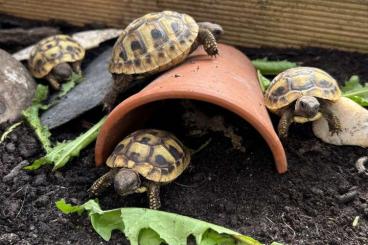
317	191
9	238
23	242
14	137
40	180
347	197
10	147
42	201
344	187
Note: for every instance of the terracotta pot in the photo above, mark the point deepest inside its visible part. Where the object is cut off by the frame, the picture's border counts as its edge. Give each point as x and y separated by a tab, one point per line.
229	81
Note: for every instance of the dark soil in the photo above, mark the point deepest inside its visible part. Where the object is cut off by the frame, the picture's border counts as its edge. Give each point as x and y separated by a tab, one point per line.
238	190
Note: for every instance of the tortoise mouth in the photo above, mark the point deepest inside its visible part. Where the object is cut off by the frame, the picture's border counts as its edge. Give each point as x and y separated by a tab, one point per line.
301	119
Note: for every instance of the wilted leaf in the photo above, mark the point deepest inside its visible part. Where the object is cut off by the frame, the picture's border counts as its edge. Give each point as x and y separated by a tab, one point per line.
356	91
31	116
63	152
267	67
68	85
149	227
263	81
9	130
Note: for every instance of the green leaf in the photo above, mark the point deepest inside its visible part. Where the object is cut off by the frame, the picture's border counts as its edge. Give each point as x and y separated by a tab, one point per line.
68	85
31	116
149	237
146	226
272	67
68	208
263	81
356	91
104	222
63	152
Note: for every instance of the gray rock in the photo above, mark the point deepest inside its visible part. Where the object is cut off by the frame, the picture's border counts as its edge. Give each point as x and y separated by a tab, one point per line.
17	88
85	96
9	238
10	147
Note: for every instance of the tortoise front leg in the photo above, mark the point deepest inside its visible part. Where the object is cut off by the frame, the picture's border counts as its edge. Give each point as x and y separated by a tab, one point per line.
333	121
76	66
53	81
154	195
102	183
120	84
208	40
285	121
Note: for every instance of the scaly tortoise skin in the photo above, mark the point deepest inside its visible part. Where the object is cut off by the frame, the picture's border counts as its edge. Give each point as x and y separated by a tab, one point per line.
52	53
155	43
156	155
309	90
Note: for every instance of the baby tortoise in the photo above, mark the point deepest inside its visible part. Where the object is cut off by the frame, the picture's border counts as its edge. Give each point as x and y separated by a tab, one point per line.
56	58
154	43
156	155
302	94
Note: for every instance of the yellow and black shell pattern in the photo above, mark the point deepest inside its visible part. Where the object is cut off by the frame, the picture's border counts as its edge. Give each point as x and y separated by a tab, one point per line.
152	43
52	51
155	154
294	83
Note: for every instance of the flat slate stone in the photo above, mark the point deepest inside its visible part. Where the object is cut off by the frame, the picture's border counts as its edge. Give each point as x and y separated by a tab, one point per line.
88	94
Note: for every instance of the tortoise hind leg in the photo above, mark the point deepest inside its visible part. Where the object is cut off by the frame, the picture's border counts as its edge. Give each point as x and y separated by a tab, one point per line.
154	196
102	183
208	40
333	121
120	84
285	121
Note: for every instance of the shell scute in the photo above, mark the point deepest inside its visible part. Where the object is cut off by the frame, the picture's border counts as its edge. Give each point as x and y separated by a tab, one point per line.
155	154
52	51
294	83
153	43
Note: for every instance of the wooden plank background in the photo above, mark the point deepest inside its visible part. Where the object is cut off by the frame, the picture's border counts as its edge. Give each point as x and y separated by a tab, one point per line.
341	24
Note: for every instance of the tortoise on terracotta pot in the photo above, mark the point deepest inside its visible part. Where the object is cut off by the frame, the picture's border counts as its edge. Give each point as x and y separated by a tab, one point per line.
156	42
56	58
156	155
302	94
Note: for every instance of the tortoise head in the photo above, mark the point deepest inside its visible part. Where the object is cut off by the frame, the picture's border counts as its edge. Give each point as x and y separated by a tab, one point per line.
216	29
62	71
306	106
127	181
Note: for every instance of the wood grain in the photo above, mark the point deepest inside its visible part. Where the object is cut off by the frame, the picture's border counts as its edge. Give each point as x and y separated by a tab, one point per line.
341	24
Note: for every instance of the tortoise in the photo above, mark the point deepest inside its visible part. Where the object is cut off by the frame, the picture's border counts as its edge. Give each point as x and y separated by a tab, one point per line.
156	42
303	94
156	155
56	58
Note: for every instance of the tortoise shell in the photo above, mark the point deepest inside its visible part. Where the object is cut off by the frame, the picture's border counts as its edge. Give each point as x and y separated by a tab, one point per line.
52	51
155	154
153	43
294	83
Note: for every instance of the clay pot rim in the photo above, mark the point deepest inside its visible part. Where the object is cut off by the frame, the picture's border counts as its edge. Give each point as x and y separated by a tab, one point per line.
143	98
